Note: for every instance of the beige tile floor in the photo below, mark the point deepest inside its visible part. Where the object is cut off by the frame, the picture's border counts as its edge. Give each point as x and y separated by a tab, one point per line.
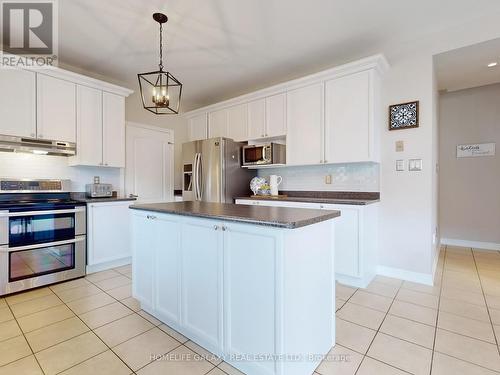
93	326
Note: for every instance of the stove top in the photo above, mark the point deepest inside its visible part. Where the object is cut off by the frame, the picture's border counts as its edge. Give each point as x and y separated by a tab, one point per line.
35	194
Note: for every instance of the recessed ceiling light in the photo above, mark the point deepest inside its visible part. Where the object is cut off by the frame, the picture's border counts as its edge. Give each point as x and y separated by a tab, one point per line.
491	65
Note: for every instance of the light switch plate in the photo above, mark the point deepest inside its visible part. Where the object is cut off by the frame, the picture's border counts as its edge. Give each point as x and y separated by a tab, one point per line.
400	165
400	146
328	179
415	165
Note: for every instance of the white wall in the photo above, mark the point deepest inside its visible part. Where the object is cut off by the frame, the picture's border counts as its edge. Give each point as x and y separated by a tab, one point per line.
469	187
136	113
345	177
409	210
406	197
21	165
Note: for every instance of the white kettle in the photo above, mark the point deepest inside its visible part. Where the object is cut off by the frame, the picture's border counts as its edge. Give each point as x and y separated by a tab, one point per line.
274	182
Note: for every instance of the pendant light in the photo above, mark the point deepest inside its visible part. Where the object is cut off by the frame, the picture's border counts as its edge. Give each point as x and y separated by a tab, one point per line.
160	90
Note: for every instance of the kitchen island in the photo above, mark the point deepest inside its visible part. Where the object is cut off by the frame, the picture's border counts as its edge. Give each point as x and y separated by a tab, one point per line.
254	285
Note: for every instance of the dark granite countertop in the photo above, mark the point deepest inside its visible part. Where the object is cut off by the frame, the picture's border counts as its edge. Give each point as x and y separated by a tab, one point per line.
357	202
327	197
280	217
81	197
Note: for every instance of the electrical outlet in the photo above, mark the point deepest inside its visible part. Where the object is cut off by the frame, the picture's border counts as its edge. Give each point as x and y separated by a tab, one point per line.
328	179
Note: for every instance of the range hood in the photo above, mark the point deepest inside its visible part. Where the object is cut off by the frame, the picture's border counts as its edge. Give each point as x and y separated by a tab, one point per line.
36	146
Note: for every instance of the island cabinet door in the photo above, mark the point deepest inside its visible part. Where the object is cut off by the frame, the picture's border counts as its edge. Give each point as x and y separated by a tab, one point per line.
167	275
201	269
143	245
250	296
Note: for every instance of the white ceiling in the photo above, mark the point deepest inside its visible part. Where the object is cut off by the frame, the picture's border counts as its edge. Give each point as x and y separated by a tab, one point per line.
223	48
468	67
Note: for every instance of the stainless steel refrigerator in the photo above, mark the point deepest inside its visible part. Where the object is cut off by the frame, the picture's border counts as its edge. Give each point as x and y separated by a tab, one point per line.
212	171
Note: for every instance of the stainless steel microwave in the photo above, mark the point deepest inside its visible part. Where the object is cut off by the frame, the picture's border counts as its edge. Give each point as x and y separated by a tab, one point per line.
264	154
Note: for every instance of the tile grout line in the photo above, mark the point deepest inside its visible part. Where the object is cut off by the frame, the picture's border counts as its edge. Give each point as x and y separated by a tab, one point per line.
91	330
26	340
378	331
439	308
486	302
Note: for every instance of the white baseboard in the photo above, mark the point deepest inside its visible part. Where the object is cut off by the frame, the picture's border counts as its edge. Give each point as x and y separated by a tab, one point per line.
398	273
475	244
108	265
356	282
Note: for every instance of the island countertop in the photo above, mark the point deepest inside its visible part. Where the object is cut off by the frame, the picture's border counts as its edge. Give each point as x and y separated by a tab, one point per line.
280	217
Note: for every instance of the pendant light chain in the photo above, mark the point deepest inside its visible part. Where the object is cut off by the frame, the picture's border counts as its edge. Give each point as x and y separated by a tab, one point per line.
161	47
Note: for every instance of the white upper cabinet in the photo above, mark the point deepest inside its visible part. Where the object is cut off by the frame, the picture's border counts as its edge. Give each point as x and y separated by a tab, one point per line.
113	130
276	115
100	128
89	126
257	119
198	127
17	103
328	117
237	121
217	124
56	109
305	125
349	119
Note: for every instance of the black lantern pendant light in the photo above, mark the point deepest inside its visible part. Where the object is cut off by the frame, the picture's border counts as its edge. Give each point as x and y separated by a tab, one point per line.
160	90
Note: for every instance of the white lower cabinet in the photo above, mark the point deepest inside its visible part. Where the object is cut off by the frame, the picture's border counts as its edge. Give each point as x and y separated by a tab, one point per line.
201	296
249	293
166	268
107	244
145	237
238	290
356	238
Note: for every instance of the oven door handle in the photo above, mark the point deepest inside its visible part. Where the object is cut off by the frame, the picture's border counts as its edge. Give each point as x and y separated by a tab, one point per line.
38	213
6	249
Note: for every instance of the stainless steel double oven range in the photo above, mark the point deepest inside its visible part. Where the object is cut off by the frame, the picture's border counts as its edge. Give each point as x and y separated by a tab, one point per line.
42	234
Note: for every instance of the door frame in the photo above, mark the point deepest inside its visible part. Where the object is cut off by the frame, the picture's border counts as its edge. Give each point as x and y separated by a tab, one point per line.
167	131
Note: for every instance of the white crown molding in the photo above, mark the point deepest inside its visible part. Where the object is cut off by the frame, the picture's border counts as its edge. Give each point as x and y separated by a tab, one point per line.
376	62
77	78
85	81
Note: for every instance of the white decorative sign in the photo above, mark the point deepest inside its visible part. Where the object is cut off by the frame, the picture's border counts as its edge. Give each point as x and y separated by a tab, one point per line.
475	150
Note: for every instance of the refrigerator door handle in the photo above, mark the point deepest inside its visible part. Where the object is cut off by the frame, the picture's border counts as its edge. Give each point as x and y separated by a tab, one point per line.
199	181
195	177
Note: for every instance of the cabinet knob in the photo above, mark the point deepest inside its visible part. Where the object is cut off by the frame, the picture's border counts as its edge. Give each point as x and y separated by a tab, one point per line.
216	227
106	164
224	228
40	135
321	206
324	161
32	135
